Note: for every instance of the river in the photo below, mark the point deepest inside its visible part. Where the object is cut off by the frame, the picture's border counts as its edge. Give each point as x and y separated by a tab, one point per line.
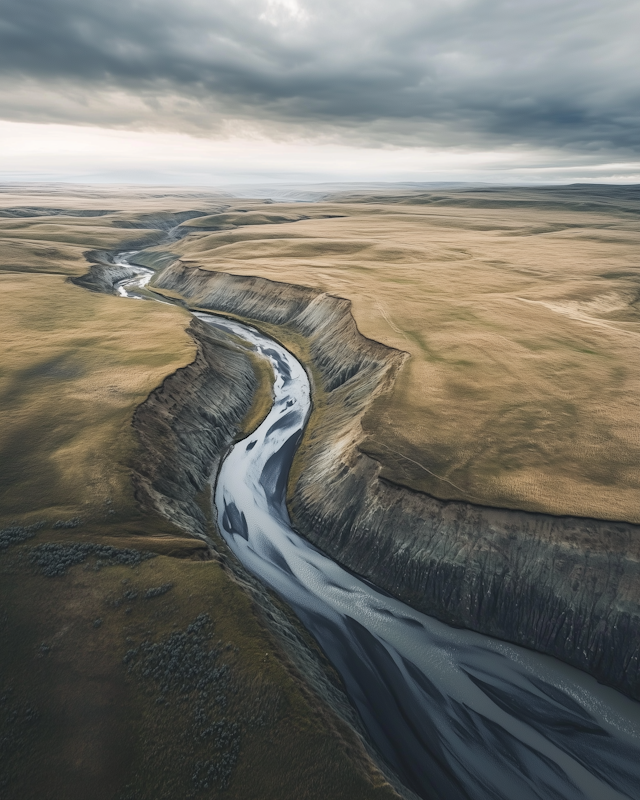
456	715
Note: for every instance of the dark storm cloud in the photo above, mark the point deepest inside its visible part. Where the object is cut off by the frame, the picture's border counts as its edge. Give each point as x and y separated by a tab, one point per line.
541	72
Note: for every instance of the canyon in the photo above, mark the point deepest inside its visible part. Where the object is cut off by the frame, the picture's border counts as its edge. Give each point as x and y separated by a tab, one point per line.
564	586
548	560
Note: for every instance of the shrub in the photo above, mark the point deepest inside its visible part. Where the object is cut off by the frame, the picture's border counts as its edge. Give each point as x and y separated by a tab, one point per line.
18	533
55	559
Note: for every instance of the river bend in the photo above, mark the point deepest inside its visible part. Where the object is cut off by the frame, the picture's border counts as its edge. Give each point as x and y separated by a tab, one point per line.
457	715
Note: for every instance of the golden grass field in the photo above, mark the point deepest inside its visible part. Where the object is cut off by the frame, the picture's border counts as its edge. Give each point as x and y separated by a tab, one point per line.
75	366
519	310
74	723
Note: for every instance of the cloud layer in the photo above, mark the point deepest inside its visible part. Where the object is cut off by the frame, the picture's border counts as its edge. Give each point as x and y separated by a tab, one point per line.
470	73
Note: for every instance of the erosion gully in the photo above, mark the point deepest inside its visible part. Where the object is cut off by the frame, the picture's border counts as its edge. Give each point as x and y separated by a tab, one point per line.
456	715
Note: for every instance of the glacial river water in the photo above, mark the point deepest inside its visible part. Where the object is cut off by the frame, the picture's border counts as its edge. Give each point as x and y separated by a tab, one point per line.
454	713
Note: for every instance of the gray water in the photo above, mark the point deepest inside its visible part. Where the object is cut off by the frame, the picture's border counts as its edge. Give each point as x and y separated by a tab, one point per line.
454	713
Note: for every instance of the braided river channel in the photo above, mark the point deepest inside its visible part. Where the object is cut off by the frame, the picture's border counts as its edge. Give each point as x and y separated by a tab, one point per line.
456	715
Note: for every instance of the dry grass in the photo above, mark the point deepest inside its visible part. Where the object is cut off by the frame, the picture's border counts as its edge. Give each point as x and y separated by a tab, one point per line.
74	723
115	198
520	313
76	364
78	724
263	399
75	367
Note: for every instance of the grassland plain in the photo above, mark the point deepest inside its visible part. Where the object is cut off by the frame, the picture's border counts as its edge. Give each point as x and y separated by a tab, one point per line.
519	309
100	647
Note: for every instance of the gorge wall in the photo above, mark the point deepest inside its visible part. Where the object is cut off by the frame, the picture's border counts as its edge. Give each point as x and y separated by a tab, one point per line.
568	587
185	428
187	424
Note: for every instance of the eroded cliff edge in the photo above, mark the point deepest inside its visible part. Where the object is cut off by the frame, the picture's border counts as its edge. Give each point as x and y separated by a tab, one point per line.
185	428
187	424
565	586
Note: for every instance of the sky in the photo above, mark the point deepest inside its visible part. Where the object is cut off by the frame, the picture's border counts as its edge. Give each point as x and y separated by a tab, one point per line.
248	91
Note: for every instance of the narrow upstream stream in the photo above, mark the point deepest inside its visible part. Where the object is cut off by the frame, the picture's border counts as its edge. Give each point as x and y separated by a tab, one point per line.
456	715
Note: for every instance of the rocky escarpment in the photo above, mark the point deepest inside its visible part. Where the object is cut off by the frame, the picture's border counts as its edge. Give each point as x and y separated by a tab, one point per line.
187	424
103	274
568	587
185	428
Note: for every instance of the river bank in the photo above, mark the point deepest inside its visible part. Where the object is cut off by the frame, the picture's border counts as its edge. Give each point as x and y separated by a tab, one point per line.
78	723
431	698
567	587
186	427
173	477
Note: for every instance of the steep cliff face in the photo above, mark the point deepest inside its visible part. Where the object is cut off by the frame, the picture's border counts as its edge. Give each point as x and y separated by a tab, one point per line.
185	428
568	587
103	274
186	425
